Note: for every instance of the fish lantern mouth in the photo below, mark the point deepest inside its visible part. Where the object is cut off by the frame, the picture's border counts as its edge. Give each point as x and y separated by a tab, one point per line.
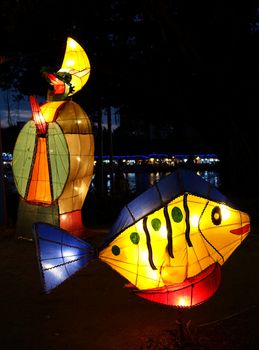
245	226
243	230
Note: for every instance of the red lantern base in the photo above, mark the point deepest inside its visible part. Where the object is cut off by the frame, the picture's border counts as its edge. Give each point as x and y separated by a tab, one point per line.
193	291
72	222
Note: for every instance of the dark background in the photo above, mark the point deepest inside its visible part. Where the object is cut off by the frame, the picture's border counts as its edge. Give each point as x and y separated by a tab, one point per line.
190	68
184	74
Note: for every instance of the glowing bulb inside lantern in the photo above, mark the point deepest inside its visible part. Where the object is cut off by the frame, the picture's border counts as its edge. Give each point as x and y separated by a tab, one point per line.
163	232
72	44
63	217
194	219
144	255
139	226
225	212
70	63
47	266
66	253
153	275
56	272
183	301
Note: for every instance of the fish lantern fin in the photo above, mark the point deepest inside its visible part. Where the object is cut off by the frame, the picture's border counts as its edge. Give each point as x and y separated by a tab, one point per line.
59	253
192	292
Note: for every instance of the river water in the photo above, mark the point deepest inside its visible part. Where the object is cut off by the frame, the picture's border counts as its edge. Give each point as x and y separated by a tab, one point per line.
138	182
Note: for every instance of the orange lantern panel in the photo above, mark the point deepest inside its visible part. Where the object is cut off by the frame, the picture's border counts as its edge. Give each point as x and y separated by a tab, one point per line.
39	189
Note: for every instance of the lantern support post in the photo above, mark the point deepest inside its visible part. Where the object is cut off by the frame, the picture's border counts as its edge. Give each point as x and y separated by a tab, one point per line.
183	329
99	164
110	145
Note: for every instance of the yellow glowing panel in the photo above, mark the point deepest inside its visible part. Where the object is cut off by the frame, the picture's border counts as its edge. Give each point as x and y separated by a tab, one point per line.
76	63
133	260
49	110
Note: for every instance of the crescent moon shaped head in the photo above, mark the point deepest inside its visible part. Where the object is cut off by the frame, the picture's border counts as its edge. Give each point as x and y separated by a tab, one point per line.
77	64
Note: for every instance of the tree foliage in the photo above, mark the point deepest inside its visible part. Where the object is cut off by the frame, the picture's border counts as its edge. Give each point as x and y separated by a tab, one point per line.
158	56
192	64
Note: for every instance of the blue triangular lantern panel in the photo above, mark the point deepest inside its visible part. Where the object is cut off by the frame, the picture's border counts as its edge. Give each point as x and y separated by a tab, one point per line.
60	254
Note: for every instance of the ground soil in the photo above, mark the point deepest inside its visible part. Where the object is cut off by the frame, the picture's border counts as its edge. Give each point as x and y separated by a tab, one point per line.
93	309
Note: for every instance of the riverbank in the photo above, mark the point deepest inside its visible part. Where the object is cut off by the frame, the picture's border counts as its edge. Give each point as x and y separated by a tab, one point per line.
162	168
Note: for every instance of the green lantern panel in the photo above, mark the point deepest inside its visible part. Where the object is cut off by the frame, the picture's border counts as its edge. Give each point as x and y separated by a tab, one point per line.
23	156
59	159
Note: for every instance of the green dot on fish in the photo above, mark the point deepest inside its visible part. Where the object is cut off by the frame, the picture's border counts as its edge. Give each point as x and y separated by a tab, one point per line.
134	237
156	224
177	214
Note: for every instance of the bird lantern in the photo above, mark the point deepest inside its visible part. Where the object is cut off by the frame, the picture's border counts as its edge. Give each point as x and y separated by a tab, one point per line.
169	243
53	157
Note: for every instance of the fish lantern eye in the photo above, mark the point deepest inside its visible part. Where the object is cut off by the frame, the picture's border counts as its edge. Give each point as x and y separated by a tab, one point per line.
216	216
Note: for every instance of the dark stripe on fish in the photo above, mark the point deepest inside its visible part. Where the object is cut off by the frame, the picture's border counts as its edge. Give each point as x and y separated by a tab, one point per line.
169	233
187	220
150	253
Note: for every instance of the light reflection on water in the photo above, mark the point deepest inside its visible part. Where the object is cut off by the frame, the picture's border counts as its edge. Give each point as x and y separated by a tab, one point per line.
139	182
212	177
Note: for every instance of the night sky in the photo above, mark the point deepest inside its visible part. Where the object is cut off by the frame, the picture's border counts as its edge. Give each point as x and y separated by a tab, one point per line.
190	66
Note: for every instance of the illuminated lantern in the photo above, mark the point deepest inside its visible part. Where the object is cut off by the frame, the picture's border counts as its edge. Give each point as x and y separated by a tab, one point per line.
53	157
169	243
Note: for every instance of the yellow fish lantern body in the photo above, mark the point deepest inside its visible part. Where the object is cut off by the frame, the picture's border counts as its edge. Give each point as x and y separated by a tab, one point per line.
169	243
172	247
53	159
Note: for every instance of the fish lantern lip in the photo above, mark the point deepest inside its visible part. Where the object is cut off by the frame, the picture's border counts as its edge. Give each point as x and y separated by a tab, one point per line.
241	230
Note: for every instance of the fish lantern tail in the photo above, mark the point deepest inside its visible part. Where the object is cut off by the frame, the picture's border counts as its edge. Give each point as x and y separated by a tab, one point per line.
59	253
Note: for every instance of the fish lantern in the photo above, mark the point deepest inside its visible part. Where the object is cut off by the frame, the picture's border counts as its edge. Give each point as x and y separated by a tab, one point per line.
169	243
53	158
